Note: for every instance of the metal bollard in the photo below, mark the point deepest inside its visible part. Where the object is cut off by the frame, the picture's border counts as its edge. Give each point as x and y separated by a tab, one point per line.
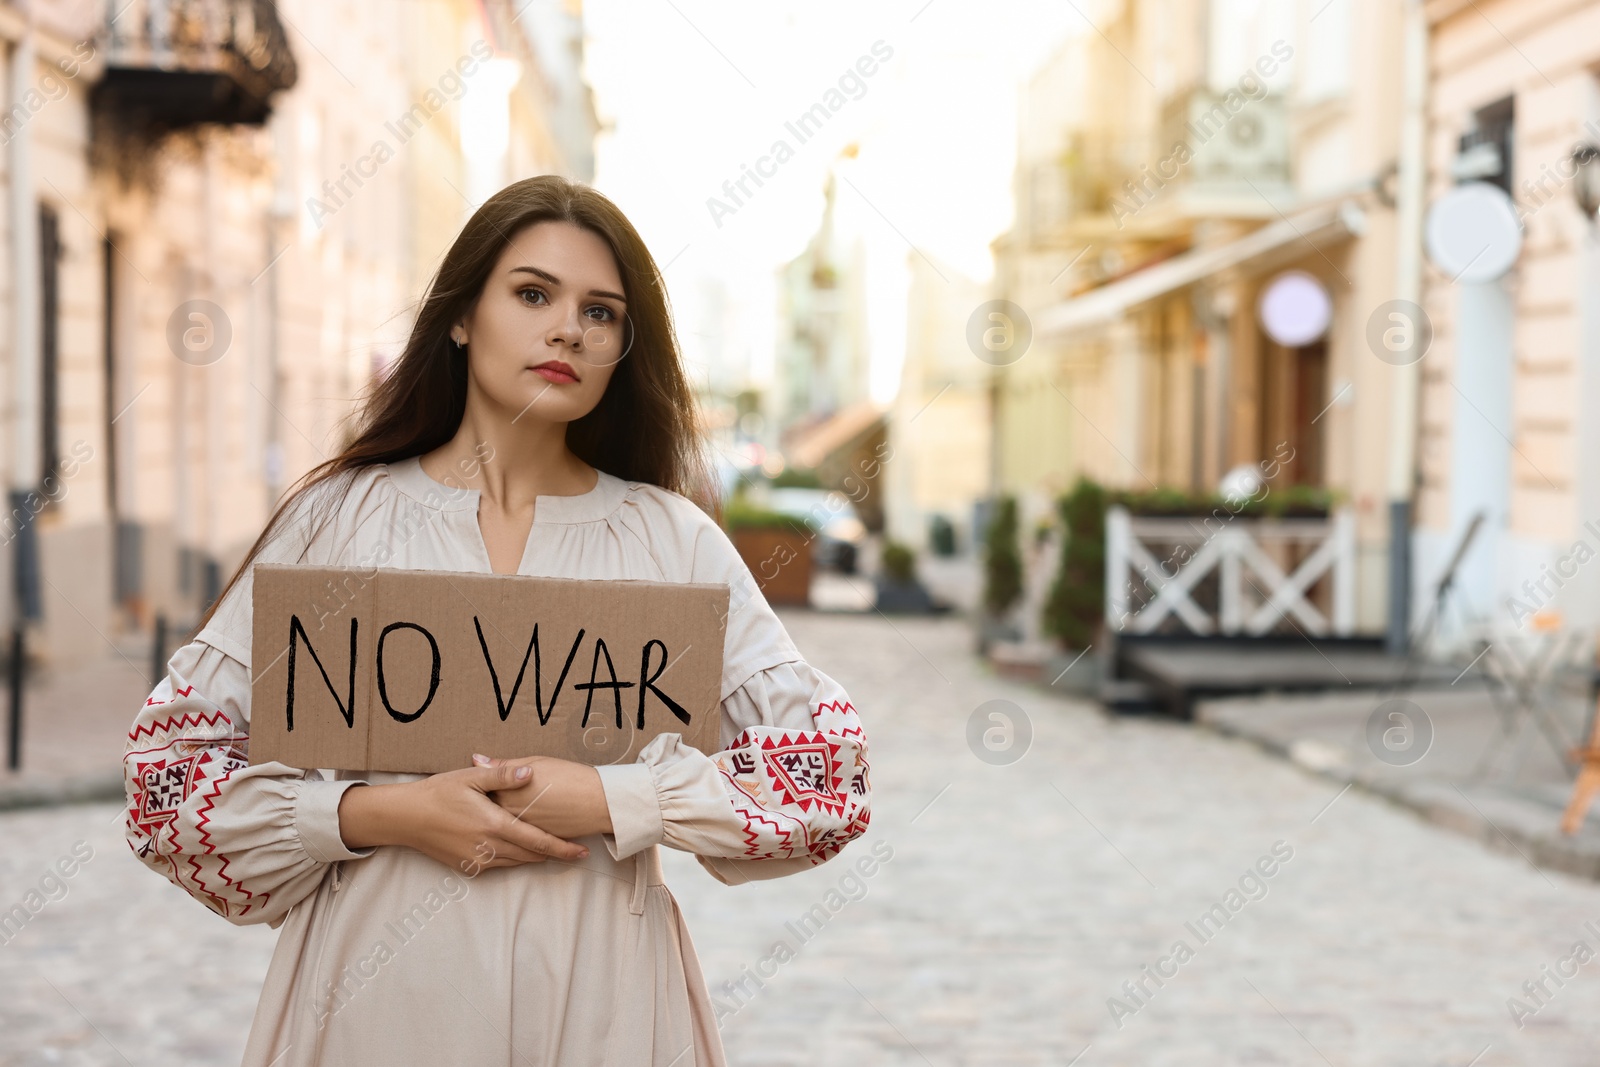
158	652
14	716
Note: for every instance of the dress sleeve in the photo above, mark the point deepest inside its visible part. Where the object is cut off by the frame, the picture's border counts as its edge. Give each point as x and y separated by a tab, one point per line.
788	794
248	842
790	786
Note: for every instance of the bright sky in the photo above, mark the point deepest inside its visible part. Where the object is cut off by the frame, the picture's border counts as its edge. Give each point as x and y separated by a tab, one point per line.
692	91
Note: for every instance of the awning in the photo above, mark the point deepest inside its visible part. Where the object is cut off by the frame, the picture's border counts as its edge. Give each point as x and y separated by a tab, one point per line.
813	445
1107	303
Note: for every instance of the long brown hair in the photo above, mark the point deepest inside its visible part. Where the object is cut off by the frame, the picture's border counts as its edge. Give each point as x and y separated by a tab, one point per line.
644	428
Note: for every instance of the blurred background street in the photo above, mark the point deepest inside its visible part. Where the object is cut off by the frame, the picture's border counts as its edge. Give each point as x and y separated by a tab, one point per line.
1018	897
1169	419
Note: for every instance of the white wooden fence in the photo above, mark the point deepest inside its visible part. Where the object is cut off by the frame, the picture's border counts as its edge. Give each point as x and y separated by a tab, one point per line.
1253	593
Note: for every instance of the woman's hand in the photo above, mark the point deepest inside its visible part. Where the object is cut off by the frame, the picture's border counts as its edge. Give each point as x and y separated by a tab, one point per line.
563	797
450	817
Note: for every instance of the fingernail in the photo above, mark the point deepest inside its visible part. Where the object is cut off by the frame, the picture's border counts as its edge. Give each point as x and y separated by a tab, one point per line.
523	772
479	758
584	854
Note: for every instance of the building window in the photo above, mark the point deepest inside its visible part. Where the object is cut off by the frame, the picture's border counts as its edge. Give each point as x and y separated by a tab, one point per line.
1484	152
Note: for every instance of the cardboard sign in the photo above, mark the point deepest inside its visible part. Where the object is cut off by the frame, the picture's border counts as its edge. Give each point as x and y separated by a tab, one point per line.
402	670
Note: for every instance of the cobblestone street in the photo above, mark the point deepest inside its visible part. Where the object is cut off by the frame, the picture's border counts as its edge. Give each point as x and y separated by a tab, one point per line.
1017	901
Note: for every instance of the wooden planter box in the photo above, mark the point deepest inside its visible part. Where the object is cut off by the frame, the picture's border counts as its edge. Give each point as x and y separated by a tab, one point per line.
780	561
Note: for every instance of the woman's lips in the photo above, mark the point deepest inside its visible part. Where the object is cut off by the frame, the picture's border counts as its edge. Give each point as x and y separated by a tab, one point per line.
552	372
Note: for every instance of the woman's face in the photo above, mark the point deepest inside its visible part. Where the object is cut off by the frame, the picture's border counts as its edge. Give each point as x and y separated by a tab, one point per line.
549	329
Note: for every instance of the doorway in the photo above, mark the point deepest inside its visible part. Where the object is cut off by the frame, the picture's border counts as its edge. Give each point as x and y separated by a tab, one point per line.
1294	388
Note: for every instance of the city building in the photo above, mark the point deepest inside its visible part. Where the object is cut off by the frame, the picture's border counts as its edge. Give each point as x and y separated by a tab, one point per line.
220	215
1506	426
1175	167
823	360
939	430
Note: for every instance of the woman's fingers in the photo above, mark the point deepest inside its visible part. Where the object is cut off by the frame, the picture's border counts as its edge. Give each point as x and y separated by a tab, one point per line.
482	804
497	852
519	833
480	760
488	779
506	854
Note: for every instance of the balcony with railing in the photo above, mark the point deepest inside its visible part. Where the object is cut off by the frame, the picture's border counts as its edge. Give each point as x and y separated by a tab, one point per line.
1223	154
175	64
1074	192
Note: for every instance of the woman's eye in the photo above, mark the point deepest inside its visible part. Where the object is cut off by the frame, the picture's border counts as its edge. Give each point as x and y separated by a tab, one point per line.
602	313
526	294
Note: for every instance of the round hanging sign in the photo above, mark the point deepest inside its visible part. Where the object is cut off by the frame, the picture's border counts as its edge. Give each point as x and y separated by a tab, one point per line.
1295	309
1473	233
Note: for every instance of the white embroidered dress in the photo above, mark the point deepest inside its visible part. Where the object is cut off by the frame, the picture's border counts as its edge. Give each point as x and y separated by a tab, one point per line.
386	956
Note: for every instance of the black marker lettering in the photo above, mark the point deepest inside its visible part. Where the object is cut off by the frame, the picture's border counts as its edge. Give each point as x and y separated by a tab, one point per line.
533	647
347	707
544	716
649	684
383	690
591	685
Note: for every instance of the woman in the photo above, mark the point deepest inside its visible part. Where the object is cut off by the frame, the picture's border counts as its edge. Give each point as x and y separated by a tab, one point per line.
538	422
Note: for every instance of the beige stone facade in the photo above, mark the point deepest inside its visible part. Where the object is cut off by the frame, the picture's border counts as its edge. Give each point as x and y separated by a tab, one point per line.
1172	165
307	236
940	429
1529	69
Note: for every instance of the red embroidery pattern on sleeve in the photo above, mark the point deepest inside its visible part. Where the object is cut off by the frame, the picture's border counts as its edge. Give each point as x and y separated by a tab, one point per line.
800	792
175	767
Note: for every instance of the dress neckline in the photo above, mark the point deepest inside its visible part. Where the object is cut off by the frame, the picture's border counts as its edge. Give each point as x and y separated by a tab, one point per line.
599	502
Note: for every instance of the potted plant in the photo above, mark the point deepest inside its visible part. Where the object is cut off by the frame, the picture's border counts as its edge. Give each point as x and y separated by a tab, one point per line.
1002	575
897	587
1075	611
941	535
775	546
